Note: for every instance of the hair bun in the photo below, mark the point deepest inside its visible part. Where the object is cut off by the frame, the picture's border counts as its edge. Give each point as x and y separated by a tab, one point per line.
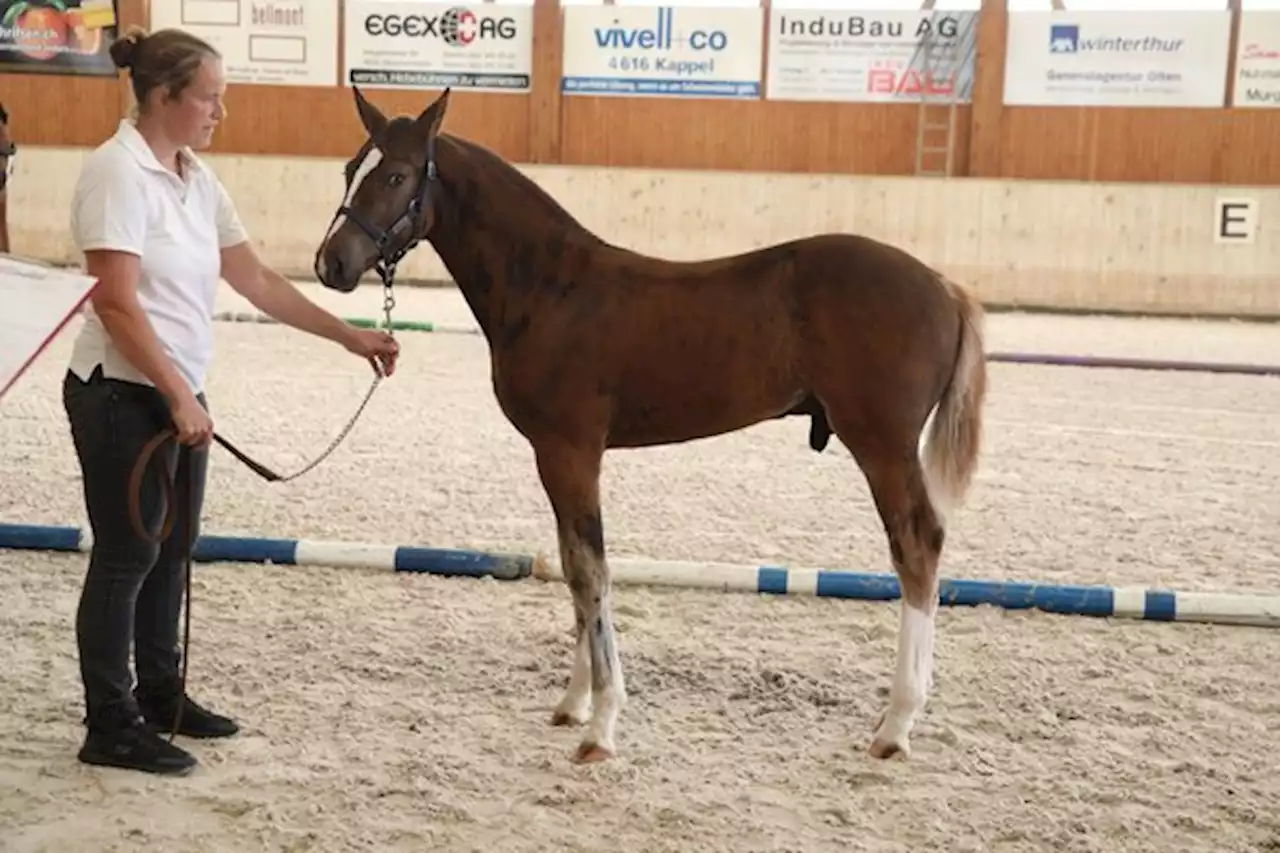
125	49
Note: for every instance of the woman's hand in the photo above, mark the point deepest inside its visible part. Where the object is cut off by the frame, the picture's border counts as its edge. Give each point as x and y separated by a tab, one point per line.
192	420
379	348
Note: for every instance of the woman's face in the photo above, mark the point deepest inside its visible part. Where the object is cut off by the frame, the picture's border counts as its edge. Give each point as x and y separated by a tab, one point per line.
192	118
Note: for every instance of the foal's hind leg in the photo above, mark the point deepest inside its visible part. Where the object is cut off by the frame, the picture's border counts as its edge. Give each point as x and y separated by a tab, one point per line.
915	544
575	707
915	536
571	478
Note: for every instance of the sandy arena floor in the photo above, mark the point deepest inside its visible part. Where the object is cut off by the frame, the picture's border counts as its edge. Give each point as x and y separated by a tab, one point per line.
389	713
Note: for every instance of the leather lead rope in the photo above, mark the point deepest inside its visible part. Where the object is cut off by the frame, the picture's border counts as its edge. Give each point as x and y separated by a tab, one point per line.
168	486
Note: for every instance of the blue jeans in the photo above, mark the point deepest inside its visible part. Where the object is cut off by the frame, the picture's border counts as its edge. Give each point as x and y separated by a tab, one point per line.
133	589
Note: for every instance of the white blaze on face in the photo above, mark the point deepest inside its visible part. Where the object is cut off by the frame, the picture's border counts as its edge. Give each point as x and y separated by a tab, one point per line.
370	162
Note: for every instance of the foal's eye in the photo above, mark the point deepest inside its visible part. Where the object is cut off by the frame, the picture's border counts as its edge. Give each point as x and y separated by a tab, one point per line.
396	180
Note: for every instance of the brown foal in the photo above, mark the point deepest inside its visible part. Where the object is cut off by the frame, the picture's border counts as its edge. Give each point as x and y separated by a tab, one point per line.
595	347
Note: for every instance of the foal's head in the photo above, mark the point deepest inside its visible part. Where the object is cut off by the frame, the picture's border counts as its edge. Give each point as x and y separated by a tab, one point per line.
7	149
391	194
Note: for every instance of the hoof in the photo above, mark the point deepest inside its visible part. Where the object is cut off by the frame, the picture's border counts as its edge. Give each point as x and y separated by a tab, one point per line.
591	753
571	712
565	718
888	744
885	749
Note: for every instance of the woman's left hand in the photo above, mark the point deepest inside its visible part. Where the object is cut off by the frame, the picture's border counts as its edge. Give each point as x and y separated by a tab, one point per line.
378	347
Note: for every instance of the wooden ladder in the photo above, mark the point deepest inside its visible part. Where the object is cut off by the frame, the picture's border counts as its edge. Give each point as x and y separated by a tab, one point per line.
936	125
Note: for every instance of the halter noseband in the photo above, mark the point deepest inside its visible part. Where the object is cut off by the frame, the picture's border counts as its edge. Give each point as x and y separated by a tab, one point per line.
411	218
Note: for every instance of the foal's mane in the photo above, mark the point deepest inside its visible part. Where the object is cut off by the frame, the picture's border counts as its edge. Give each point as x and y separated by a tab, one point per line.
496	173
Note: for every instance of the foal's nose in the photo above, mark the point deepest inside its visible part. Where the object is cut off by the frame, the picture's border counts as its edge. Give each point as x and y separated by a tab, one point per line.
330	268
335	266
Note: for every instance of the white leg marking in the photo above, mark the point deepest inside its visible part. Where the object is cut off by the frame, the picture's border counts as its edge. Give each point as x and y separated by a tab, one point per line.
912	680
609	696
575	707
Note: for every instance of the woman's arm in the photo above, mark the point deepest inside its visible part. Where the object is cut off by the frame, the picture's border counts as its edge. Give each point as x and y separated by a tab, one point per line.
266	289
115	300
273	294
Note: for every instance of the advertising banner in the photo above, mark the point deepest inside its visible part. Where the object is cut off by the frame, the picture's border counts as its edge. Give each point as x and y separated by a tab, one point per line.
406	44
1257	82
69	37
37	301
278	43
1157	58
830	55
689	52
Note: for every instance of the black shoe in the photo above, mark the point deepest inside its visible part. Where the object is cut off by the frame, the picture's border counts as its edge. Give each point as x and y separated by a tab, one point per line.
196	721
133	746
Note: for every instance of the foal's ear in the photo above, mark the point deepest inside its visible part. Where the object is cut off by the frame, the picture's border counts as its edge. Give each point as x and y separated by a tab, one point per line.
370	116
428	123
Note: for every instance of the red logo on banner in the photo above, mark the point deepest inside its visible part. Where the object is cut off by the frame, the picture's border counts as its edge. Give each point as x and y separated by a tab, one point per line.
889	81
1257	51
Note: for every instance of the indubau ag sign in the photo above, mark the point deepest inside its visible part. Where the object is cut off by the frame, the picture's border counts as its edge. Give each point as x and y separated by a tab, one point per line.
1117	58
711	52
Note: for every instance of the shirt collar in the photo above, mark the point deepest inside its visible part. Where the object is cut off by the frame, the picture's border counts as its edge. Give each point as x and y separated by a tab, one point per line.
128	136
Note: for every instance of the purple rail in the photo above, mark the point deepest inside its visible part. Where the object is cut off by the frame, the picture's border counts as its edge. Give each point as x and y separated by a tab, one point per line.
1134	363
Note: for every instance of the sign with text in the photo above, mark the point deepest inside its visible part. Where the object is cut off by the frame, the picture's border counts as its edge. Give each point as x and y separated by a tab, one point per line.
1160	58
1235	220
829	55
690	52
267	43
1257	82
36	302
69	37
405	44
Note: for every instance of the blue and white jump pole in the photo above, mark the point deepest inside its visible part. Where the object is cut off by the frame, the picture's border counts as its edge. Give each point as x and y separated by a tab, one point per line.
1132	602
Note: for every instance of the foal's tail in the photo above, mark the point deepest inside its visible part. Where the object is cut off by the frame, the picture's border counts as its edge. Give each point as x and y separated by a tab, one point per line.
955	436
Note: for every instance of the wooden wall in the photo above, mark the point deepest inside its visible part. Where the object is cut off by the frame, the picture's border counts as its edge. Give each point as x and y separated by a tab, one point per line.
1226	146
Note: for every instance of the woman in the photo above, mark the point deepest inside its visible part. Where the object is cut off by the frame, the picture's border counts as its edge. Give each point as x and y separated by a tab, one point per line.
157	230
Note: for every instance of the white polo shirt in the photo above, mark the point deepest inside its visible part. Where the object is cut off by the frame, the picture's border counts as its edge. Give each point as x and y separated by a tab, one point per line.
127	201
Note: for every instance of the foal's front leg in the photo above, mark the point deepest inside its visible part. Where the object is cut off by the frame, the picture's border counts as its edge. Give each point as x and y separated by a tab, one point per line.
596	685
